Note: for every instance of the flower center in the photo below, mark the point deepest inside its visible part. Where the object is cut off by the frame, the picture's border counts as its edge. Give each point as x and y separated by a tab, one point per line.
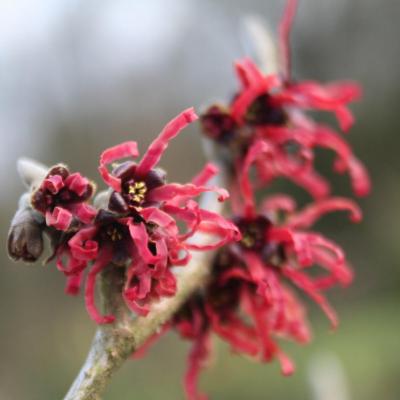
114	233
253	235
136	192
218	124
253	232
262	112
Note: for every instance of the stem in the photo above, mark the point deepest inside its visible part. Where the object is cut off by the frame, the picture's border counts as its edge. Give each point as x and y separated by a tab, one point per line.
111	345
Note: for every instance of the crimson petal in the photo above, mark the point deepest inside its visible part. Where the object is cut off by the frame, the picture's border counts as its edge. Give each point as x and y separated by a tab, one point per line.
157	148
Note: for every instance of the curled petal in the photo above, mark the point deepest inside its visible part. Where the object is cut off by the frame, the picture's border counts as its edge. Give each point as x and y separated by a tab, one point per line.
287	366
306	284
126	149
77	183
165	285
285	26
308	134
101	263
339	272
157	148
190	215
268	347
256	150
208	172
295	325
201	179
276	163
317	240
170	191
160	218
215	224
139	235
74	283
82	245
345	118
312	213
59	218
84	212
309	137
241	337
279	202
314	94
138	287
332	97
359	176
248	73
179	255
312	182
144	285
256	269
198	356
74	266
160	268
53	184
141	309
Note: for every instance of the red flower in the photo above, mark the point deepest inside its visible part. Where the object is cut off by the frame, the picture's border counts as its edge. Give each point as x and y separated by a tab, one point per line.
290	145
231	309
264	100
293	249
140	228
248	302
62	197
139	184
269	111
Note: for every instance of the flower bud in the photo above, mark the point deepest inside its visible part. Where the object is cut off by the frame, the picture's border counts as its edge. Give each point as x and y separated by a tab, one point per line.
25	237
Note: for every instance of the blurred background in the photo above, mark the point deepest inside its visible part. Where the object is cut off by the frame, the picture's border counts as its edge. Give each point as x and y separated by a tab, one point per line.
77	77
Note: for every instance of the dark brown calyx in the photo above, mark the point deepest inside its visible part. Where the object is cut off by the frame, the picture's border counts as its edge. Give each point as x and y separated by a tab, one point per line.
218	124
254	232
263	112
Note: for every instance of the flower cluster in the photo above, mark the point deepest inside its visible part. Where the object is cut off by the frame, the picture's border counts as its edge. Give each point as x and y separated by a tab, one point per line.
145	227
250	301
139	228
62	197
270	110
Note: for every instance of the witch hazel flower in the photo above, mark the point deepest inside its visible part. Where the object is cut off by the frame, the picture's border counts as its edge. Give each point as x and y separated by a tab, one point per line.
281	236
273	109
139	230
250	302
232	309
62	198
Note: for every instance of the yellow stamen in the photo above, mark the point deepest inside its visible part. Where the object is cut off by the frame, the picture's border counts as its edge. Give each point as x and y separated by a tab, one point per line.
114	234
248	241
137	191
